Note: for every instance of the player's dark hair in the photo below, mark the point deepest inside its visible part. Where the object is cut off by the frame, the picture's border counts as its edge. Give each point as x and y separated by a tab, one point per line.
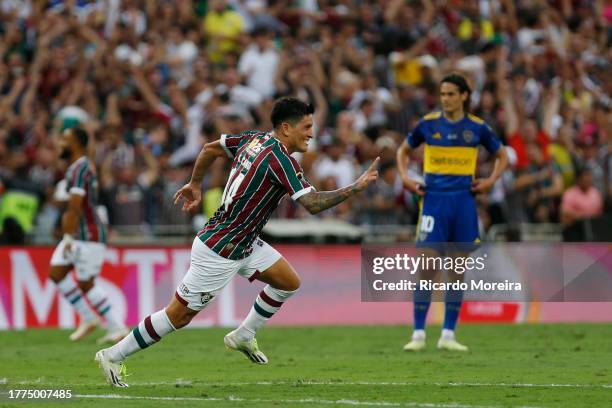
290	110
461	83
81	136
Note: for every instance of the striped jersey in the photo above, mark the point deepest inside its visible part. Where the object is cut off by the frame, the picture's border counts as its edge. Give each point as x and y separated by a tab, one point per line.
81	180
262	173
451	149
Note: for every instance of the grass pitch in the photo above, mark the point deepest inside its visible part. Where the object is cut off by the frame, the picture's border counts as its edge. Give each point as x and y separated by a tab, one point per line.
509	366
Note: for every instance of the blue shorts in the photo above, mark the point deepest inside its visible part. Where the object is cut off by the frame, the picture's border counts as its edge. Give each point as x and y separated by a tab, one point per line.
448	217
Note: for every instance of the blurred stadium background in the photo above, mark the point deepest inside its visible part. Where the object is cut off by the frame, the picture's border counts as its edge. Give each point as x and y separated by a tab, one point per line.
151	81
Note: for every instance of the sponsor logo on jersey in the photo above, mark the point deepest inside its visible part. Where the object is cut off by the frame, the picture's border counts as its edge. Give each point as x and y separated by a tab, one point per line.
437	136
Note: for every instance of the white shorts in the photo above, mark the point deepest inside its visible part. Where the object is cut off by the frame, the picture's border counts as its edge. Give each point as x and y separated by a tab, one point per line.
86	257
209	272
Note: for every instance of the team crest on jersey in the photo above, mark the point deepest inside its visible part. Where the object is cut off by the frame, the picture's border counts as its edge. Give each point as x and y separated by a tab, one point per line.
206	297
468	136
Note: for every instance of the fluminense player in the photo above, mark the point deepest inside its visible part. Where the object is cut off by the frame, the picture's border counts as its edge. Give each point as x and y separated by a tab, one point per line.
447	208
84	243
262	173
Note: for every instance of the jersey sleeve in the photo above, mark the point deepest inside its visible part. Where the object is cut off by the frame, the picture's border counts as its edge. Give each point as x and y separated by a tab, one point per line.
417	136
231	143
288	172
76	180
488	139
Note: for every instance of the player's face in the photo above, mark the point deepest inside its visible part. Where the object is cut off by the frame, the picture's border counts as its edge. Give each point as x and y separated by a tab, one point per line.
300	134
450	97
65	144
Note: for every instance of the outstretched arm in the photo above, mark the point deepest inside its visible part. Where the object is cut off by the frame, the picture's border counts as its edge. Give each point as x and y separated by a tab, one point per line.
318	201
191	191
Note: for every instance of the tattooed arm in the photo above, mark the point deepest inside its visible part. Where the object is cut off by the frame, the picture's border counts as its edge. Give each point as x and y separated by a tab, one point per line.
318	201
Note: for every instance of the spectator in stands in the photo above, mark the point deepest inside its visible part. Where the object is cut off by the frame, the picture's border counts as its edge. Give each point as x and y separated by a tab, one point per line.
223	27
143	72
259	61
581	201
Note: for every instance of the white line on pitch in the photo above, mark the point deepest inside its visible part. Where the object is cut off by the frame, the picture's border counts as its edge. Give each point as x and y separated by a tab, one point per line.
187	383
289	401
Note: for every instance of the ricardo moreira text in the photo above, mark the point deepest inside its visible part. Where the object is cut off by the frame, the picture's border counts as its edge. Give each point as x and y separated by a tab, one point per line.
413	264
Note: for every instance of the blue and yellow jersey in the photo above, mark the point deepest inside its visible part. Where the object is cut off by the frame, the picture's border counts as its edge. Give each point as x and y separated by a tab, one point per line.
451	149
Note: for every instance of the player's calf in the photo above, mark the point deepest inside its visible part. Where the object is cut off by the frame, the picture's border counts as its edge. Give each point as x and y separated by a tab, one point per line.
151	330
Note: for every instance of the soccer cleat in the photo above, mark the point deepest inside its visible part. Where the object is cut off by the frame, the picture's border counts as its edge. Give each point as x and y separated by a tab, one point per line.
451	344
84	329
415	345
249	348
114	372
113	337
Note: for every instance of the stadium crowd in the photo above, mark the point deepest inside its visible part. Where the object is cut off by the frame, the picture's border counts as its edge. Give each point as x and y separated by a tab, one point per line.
154	80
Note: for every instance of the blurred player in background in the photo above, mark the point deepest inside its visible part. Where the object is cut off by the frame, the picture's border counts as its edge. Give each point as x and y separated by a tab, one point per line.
447	207
262	173
84	243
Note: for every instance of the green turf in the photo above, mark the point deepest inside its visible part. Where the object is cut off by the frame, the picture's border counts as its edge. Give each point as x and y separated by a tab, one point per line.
323	365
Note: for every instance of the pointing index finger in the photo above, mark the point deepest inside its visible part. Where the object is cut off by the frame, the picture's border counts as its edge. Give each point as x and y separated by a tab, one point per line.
375	163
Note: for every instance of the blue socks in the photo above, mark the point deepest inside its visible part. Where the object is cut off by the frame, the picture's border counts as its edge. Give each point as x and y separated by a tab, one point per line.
422	300
452	307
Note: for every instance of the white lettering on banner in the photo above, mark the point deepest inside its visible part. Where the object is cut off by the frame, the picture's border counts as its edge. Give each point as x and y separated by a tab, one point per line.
116	298
4	323
66	313
145	260
26	283
180	264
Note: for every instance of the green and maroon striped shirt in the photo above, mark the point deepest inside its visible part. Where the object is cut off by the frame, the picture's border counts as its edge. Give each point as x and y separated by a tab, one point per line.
81	180
262	173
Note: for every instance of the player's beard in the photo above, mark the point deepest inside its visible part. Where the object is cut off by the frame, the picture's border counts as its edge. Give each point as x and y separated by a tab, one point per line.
66	153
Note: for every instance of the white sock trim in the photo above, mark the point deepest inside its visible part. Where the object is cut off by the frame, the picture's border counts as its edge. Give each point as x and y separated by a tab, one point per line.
418	335
448	334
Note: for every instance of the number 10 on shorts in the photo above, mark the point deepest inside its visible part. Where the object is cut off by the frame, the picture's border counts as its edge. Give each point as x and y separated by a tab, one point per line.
427	223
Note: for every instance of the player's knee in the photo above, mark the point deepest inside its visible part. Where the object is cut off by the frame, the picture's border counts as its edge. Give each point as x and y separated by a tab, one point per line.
293	284
56	274
179	315
180	320
86	286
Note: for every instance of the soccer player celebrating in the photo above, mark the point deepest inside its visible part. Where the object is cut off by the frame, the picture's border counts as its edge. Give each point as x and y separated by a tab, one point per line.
84	243
447	203
262	172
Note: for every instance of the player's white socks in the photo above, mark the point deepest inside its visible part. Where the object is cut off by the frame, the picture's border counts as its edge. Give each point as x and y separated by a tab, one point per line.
148	332
418	335
101	304
71	291
268	302
448	334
